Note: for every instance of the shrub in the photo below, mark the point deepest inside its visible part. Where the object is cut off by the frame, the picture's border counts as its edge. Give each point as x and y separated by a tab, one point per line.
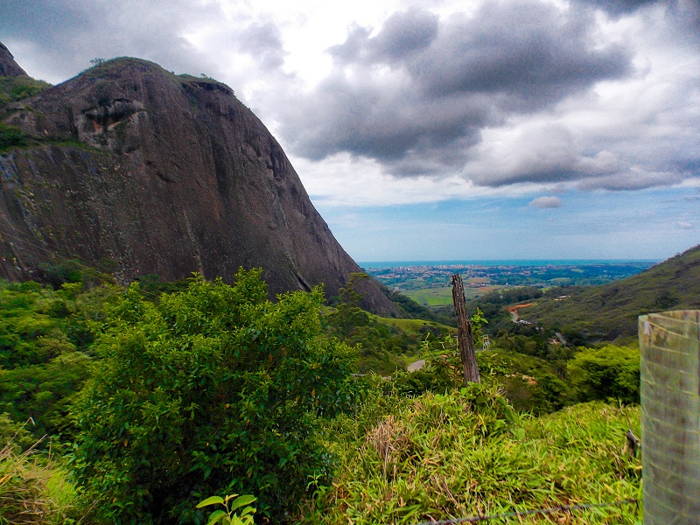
530	384
11	136
212	390
605	373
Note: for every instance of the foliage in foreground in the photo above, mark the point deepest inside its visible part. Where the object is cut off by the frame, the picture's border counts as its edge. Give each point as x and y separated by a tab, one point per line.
214	389
467	453
529	383
33	488
204	388
608	372
237	510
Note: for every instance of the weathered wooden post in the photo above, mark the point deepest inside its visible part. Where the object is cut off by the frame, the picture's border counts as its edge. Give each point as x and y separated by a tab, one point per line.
464	332
670	394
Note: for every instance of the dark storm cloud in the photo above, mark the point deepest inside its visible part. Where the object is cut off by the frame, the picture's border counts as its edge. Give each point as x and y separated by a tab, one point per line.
527	51
63	35
416	95
402	34
685	15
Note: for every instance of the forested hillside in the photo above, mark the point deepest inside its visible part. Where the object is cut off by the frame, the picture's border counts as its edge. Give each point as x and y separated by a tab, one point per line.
610	311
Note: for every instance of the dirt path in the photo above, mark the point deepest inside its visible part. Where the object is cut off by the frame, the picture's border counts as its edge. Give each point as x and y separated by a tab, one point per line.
514	310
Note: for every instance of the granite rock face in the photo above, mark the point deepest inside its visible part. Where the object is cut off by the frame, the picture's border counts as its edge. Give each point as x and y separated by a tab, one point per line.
160	174
8	66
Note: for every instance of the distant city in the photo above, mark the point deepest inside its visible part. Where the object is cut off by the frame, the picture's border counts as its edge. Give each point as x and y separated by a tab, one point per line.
428	282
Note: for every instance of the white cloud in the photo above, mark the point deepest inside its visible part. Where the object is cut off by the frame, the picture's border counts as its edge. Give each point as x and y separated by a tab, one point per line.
546	202
341	180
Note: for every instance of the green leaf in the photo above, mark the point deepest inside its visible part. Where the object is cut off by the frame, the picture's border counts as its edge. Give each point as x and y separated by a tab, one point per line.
216	517
213	500
248	510
242	501
229	497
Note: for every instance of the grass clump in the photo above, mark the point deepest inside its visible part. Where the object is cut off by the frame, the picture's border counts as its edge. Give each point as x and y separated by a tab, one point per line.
468	453
33	488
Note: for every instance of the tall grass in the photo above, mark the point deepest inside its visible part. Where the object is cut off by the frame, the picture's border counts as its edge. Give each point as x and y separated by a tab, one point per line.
467	454
33	488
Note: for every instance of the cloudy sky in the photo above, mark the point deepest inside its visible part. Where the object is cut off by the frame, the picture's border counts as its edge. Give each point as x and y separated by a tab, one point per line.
438	129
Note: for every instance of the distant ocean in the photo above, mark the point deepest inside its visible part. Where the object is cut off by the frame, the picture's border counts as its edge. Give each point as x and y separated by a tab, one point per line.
503	262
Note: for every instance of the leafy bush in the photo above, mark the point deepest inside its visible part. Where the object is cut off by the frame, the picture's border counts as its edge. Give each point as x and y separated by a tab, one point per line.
530	384
45	338
44	392
610	372
214	389
57	273
11	136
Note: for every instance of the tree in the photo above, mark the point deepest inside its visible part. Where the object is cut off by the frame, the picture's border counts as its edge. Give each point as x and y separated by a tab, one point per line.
214	389
610	372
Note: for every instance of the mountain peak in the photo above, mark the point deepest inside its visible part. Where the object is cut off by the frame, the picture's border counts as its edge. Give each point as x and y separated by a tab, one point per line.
8	66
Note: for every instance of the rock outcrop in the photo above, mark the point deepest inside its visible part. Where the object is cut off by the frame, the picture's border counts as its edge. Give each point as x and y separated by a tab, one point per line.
159	174
8	66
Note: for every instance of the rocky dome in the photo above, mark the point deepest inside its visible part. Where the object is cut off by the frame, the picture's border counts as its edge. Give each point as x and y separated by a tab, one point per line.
159	174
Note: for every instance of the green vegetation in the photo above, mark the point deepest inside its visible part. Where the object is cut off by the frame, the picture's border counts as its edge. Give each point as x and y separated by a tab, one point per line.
383	345
467	453
33	488
10	137
237	509
156	396
442	296
431	296
529	383
17	88
609	372
45	338
603	313
202	373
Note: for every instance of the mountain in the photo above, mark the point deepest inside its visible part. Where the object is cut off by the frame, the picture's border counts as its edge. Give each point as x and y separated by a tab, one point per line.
611	310
8	66
130	165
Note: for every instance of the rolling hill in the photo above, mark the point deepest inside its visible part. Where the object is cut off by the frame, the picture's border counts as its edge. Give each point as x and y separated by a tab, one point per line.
609	311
